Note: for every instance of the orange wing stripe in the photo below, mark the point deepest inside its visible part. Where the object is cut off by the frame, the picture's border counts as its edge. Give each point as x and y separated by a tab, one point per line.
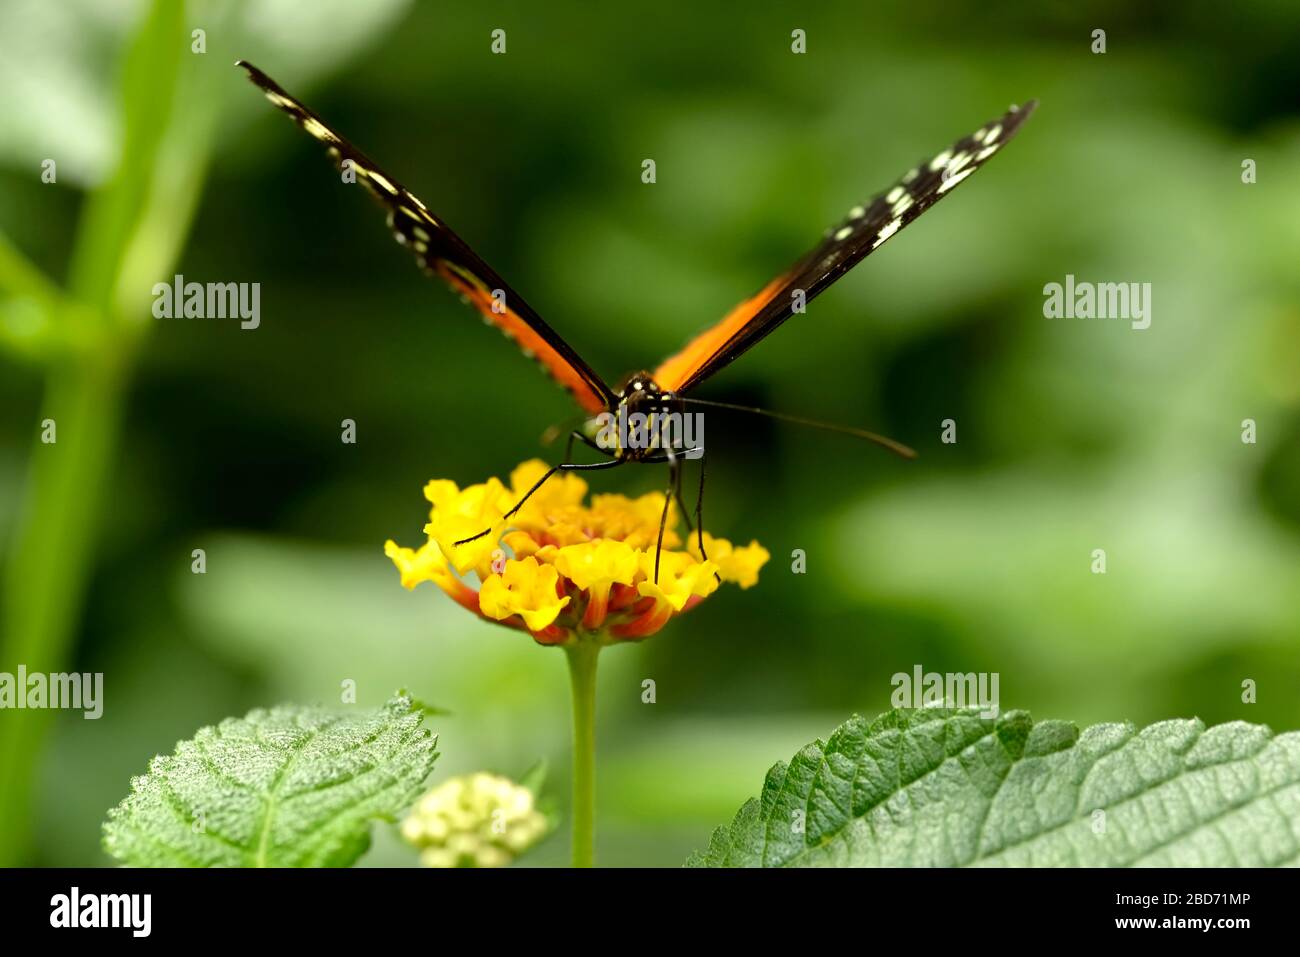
677	369
525	337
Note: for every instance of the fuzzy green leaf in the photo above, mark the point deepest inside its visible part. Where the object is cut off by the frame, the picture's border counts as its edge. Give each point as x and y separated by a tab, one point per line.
288	787
948	788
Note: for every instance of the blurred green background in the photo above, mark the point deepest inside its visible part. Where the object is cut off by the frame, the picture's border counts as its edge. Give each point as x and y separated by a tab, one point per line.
1072	434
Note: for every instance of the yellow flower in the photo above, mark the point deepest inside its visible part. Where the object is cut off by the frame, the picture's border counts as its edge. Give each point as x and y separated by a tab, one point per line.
428	564
524	588
683	583
681	578
634	520
738	565
562	492
561	569
595	567
457	515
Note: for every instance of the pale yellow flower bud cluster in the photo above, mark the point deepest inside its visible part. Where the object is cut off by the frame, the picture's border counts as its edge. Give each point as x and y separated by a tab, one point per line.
475	820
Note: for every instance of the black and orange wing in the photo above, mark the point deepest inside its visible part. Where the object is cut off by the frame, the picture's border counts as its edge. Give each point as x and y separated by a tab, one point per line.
866	228
439	251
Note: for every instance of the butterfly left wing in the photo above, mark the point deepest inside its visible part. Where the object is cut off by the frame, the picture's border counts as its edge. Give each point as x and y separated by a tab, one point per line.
865	229
439	251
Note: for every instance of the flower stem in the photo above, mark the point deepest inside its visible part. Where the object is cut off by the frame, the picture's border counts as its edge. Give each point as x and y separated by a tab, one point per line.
582	679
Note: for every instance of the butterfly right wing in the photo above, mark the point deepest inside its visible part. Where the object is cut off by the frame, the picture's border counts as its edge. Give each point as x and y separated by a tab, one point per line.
439	251
865	230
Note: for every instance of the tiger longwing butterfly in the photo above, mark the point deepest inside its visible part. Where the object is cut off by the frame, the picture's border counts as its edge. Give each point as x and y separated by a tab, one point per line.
439	251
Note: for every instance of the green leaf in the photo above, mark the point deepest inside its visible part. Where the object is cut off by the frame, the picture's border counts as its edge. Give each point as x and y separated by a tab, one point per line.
939	787
289	787
428	710
535	777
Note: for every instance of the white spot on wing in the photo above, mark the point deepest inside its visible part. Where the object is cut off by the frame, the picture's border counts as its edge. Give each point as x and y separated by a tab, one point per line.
958	161
382	182
953	180
886	232
318	129
844	233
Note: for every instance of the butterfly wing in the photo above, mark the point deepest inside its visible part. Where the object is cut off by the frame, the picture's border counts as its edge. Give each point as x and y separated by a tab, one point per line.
439	251
865	229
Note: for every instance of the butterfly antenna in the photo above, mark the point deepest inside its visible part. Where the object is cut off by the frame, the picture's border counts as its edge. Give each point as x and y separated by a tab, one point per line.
898	448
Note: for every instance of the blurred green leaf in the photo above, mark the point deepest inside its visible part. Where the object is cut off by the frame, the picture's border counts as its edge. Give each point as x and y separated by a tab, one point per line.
53	57
289	787
19	276
946	788
29	304
535	777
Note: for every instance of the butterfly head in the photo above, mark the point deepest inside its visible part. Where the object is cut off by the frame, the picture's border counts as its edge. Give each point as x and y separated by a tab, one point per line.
639	389
640	393
645	422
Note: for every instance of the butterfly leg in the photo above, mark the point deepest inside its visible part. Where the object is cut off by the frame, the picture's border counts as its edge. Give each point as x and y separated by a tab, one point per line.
674	480
670	456
564	467
699	517
681	503
674	485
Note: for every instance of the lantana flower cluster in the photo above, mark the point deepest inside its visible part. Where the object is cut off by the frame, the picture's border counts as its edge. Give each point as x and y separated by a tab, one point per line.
561	569
475	820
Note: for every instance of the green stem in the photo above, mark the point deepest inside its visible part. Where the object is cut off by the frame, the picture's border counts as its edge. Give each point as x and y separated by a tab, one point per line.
582	678
50	559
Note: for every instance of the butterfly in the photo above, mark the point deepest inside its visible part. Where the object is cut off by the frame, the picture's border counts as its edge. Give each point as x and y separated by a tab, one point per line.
648	406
